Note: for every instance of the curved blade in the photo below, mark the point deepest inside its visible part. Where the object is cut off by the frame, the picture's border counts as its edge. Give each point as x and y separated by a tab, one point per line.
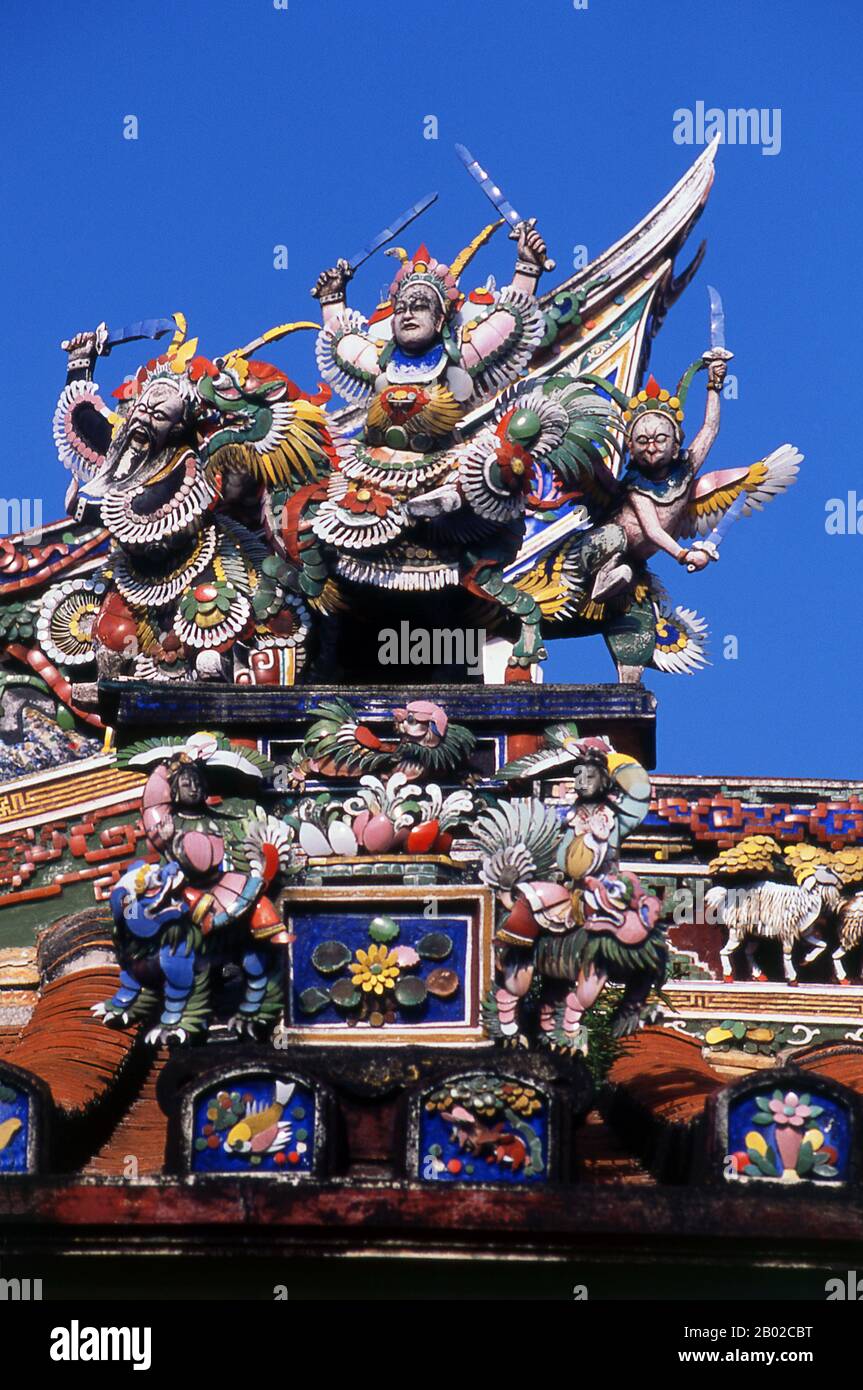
144	328
717	318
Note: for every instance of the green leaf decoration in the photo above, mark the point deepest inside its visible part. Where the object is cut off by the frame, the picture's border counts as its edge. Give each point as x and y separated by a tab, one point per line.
762	1119
805	1158
224	1117
312	1000
330	957
411	991
344	994
435	945
816	1110
825	1170
765	1163
739	1030
763	1104
383	929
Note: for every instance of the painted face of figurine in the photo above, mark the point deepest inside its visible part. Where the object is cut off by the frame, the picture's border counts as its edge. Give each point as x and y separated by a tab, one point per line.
187	788
152	491
417	319
653	442
155	419
589	780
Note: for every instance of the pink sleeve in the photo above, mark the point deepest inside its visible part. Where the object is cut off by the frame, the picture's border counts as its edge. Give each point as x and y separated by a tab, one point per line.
485	341
360	352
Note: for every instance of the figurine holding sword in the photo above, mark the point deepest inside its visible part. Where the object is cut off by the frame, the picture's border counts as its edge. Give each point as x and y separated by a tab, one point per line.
661	500
424	338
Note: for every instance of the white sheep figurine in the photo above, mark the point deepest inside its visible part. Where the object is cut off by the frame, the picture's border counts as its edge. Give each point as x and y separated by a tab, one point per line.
760	908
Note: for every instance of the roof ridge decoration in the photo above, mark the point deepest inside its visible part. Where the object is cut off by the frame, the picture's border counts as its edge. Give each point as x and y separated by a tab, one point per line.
242	515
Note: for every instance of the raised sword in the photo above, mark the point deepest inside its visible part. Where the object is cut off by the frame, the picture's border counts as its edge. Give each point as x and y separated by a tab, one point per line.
132	333
404	220
495	194
717	350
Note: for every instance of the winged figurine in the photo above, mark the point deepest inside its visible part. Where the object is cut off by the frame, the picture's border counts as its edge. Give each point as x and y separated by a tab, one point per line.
417	502
599	580
573	919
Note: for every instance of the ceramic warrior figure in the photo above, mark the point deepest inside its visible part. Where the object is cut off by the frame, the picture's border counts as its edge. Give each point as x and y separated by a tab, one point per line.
179	475
412	505
573	918
206	902
660	502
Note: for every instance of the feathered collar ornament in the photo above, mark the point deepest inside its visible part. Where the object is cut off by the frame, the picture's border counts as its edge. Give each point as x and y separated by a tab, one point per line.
675	484
403	367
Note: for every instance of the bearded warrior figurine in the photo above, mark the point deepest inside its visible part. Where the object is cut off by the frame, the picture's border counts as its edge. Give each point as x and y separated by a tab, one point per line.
178	475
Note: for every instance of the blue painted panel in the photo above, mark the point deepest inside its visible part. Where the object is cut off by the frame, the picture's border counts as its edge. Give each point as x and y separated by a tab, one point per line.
254	1125
806	1135
351	928
487	1130
15	1121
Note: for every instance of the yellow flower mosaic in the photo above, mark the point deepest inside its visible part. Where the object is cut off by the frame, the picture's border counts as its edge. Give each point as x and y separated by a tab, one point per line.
375	970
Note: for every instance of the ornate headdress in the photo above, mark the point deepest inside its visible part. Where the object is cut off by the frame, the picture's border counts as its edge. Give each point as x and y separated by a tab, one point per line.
593	752
652	399
423	269
162	370
179	365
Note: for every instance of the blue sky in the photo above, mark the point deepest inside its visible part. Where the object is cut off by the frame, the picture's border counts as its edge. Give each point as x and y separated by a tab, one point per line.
261	126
